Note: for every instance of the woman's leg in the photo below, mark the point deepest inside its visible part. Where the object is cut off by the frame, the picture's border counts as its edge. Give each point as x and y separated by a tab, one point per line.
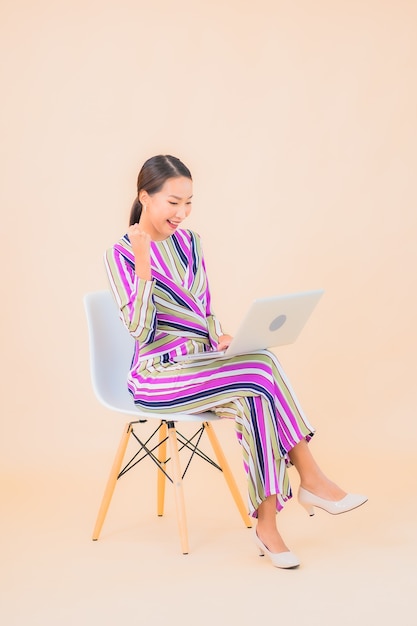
312	477
266	528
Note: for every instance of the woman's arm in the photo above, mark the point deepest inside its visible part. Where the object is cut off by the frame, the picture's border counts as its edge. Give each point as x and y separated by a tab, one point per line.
133	294
218	339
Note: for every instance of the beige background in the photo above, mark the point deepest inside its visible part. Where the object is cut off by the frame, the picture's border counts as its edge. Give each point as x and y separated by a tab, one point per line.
298	121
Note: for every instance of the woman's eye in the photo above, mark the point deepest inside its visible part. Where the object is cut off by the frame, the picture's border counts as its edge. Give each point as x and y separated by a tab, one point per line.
173	202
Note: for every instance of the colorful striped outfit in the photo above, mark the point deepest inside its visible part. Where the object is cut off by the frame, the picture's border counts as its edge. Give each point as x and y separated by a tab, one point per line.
171	315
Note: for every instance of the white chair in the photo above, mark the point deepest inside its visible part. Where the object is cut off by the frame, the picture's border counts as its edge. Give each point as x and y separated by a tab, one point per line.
111	350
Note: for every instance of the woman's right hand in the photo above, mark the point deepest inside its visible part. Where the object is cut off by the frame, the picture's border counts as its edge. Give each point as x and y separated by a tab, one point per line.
141	246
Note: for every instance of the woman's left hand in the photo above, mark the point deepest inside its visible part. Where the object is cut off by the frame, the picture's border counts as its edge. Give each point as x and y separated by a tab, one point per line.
224	342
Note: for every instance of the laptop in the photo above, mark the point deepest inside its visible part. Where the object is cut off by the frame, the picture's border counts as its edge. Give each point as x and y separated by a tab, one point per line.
269	322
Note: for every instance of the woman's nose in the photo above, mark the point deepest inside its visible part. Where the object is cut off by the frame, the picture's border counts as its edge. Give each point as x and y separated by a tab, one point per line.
180	212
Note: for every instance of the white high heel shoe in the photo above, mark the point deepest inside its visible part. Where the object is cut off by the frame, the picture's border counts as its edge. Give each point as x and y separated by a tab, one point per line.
308	500
285	560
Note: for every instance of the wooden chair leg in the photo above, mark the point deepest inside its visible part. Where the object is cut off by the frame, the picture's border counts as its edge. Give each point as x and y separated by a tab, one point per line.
227	473
111	483
161	478
178	488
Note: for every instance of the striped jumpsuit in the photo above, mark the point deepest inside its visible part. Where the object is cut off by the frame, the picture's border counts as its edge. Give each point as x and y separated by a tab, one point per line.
171	315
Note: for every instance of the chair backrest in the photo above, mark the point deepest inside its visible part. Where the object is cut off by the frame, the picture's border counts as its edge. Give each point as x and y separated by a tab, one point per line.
111	351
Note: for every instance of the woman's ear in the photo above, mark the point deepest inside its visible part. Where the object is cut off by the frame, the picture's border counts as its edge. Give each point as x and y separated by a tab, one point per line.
143	197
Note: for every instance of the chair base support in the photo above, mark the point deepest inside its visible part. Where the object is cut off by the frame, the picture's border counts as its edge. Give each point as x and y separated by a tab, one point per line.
168	434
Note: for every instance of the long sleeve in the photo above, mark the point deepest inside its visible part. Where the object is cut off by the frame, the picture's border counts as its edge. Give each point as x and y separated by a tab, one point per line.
213	325
214	330
133	295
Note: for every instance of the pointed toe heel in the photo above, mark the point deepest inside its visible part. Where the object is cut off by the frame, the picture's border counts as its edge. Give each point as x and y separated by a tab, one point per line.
308	500
284	560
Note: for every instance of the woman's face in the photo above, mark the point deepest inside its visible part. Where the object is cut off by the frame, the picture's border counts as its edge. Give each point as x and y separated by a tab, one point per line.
163	212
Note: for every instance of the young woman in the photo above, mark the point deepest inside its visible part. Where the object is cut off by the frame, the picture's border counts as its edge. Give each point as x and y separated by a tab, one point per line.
158	277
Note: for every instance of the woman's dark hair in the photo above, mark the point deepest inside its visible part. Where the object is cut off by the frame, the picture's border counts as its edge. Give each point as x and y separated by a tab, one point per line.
152	177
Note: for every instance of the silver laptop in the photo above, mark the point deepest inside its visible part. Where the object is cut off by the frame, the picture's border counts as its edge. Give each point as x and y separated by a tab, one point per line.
269	322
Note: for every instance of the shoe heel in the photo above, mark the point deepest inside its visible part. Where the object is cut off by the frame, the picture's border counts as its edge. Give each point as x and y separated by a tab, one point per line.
261	552
309	508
